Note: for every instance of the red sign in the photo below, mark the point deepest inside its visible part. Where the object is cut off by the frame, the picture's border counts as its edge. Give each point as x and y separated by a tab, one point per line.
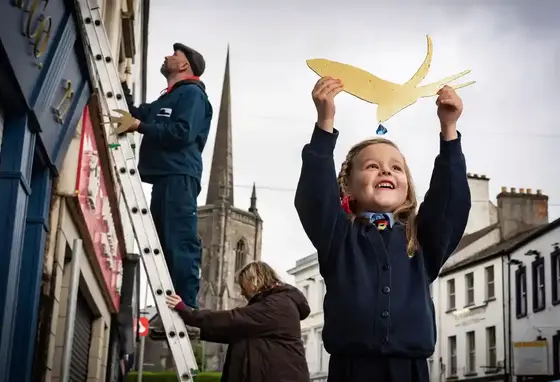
91	189
143	326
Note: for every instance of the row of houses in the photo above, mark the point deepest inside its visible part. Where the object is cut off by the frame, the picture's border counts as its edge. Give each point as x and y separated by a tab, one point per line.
497	298
69	280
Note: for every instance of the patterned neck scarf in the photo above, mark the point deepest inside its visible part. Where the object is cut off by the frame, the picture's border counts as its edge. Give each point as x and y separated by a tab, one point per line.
381	221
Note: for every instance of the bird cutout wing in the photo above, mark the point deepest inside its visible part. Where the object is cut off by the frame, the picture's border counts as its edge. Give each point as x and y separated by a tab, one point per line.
357	82
423	70
124	121
390	97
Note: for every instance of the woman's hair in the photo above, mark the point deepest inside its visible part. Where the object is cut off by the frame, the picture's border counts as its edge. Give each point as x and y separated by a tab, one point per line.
259	275
405	214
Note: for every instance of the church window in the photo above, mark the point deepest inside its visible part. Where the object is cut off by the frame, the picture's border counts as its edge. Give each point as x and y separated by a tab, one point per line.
240	255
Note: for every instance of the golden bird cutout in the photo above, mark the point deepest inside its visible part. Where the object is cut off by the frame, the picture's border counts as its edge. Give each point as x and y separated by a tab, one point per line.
390	97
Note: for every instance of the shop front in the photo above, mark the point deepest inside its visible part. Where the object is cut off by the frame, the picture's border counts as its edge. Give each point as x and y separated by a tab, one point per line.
44	87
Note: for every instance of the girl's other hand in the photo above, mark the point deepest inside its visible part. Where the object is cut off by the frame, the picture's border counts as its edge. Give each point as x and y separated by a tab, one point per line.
323	97
450	107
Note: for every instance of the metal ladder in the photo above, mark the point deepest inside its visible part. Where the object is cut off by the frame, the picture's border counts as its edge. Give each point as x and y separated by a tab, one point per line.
106	75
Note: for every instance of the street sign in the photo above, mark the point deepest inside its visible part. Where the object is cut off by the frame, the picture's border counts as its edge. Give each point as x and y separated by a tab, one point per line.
143	326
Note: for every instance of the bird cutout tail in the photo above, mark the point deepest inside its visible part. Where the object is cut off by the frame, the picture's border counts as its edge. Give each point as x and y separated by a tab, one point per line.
390	97
432	89
123	122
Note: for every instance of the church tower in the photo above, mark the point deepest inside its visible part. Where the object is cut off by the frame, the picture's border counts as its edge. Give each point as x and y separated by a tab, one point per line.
231	237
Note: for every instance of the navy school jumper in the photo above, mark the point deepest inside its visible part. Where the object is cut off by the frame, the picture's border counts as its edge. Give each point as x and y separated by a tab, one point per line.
379	316
175	129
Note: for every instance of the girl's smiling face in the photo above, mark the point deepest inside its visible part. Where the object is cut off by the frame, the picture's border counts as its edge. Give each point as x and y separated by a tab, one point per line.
378	181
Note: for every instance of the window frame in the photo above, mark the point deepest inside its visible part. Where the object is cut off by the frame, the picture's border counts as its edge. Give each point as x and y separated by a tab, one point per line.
539	286
451	307
487	271
470	367
521	296
491	347
452	356
555	275
469	300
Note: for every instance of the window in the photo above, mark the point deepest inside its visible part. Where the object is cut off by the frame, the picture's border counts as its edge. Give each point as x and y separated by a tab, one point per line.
555	275
491	346
430	365
320	294
240	255
471	353
306	291
538	279
452	344
320	352
304	339
469	289
451	294
521	292
490	286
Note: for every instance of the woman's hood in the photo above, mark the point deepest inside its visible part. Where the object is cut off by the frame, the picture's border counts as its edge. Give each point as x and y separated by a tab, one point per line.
296	296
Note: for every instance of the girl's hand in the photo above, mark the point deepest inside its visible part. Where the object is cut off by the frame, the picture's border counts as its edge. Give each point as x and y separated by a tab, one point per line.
450	107
173	301
323	96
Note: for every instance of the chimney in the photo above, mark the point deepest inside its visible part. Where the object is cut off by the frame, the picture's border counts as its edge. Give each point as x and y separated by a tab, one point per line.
479	216
521	211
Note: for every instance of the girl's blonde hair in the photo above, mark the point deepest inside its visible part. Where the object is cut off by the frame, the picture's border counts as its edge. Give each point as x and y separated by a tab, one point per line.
405	214
259	275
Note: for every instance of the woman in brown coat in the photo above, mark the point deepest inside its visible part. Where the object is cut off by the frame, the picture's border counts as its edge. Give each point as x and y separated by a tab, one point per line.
264	337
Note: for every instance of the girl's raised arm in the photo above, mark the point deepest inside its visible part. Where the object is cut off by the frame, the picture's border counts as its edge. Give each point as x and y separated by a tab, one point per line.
317	199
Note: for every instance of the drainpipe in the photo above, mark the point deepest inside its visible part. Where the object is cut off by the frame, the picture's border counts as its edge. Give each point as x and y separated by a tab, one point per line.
507	335
71	309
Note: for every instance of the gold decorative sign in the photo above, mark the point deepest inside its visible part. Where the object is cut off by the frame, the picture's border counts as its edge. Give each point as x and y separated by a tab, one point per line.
63	106
37	27
390	97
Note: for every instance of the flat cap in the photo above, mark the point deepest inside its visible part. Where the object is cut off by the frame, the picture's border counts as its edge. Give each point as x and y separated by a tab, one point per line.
195	59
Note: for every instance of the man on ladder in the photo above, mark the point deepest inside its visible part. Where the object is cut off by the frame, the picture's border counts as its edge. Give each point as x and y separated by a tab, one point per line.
175	129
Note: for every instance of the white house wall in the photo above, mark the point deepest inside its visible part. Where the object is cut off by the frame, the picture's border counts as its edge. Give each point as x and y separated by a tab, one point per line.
310	282
480	316
547	322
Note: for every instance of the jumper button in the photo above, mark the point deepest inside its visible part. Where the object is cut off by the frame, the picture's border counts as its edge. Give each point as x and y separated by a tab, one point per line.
385	340
385	267
386	289
385	314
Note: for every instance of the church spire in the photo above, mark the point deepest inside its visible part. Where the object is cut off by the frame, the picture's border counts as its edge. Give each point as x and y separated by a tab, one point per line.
253	208
220	188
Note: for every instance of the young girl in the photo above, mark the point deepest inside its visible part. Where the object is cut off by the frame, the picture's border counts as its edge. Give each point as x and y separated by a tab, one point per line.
377	256
264	337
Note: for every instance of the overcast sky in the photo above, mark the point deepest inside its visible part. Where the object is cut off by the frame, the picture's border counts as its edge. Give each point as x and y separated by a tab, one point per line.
510	120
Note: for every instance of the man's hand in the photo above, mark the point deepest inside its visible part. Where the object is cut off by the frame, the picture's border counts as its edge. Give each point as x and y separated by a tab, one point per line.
126	123
450	107
173	301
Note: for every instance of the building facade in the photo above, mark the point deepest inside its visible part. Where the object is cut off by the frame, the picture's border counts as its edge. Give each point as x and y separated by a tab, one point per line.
57	182
45	86
535	305
309	281
473	289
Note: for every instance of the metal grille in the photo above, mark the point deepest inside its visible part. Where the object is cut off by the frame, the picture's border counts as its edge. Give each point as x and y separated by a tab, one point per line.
82	340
